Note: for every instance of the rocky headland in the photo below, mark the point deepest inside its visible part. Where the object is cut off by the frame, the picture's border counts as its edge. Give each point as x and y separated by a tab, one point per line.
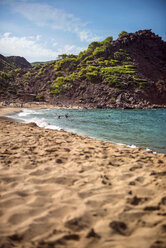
129	72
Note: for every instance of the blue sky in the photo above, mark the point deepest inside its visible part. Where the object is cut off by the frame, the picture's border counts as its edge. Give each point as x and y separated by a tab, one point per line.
40	30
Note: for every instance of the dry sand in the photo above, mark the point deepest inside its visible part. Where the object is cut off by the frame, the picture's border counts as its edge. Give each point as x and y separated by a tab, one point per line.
59	189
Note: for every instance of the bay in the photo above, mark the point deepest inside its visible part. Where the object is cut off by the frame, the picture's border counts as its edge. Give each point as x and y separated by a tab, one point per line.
145	128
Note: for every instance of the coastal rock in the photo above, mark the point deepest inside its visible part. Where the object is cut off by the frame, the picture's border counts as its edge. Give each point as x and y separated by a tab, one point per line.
129	72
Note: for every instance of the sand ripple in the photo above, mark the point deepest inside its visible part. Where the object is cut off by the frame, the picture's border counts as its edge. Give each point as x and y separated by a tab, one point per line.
63	190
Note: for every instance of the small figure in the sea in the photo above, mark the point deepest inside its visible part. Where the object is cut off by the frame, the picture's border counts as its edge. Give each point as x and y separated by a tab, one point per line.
109	116
66	116
59	116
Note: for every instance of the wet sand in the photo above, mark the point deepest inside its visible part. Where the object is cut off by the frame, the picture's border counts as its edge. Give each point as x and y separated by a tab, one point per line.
59	189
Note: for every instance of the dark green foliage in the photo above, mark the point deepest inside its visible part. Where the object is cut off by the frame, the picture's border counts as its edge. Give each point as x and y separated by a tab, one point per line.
114	62
96	49
93	46
123	33
17	70
36	66
117	70
99	51
122	55
64	56
82	87
107	42
111	74
4	77
83	56
92	73
68	63
90	57
89	62
93	76
140	82
139	79
160	82
60	85
133	67
82	73
108	62
110	79
27	76
41	71
101	59
92	68
59	73
112	100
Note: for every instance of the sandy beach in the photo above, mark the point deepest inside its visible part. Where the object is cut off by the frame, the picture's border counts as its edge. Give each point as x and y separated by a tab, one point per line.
59	189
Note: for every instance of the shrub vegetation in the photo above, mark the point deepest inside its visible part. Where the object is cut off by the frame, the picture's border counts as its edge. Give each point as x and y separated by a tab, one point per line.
123	33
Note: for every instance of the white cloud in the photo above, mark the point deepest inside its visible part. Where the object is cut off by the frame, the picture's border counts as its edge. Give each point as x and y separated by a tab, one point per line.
6	35
45	15
54	44
70	49
88	36
27	47
31	49
38	37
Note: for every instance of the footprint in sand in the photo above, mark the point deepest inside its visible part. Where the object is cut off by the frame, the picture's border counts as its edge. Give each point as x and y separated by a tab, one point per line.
93	234
158	244
105	180
119	227
152	208
78	223
137	200
135	167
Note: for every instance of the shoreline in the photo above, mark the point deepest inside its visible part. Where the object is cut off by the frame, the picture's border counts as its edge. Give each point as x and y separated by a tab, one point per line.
6	111
60	189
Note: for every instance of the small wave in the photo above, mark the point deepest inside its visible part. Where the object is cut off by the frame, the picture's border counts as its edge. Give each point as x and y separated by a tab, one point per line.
26	112
42	123
148	150
130	146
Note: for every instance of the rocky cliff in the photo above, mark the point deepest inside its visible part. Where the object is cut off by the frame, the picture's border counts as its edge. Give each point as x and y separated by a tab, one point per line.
129	72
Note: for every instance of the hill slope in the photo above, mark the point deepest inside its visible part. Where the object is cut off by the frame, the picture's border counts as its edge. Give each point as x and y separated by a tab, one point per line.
13	62
129	72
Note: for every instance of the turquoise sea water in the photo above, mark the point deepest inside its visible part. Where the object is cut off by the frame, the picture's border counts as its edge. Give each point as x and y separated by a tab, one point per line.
141	128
